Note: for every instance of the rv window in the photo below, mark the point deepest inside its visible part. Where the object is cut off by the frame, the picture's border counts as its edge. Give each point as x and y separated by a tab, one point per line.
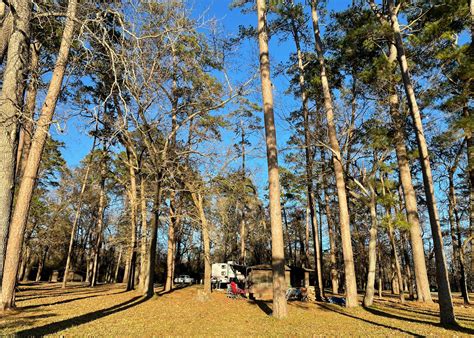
223	266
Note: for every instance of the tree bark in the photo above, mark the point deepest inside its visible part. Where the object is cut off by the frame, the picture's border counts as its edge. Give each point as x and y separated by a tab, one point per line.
117	268
171	245
11	101
132	192
344	219
198	201
150	268
318	285
144	276
370	287
396	260
331	229
416	241
27	118
41	264
24	261
76	218
381	269
470	163
100	217
447	316
243	222
287	230
456	237
20	214
6	30
408	271
243	235
126	270
409	196
278	253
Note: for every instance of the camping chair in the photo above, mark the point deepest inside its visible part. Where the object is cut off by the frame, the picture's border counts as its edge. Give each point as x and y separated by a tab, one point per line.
234	290
230	293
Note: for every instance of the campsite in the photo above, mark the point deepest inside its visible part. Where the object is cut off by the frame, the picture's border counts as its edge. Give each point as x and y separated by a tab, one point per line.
236	168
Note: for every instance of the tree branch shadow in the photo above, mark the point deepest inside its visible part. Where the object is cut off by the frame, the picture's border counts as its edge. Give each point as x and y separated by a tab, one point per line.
23	298
53	328
179	287
262	305
28	307
457	327
426	312
341	312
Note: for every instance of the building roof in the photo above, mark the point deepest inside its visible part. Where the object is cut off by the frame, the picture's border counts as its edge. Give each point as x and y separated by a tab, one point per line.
266	267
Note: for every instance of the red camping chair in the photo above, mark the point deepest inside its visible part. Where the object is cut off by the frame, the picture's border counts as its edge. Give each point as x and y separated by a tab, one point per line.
236	291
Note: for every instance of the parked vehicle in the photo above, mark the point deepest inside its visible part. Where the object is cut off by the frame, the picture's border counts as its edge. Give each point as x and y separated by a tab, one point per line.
184	279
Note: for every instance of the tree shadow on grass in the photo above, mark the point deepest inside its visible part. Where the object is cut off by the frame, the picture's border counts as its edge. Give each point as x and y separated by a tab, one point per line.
341	312
176	288
426	312
27	307
457	327
47	286
23	298
262	305
24	321
82	319
30	294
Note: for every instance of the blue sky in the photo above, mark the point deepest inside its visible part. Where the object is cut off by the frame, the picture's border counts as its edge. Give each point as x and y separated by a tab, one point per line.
73	131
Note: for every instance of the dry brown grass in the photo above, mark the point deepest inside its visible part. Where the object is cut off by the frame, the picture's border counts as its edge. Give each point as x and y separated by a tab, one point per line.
46	309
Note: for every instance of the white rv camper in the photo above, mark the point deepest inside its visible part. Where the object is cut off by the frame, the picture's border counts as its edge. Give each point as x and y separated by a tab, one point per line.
223	273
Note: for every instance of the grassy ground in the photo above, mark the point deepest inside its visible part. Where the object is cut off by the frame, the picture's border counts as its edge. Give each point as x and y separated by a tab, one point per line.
109	311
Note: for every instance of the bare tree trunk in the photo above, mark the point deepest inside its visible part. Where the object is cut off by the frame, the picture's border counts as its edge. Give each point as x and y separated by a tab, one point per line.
347	149
470	154
456	237
126	270
416	241
41	264
331	229
370	287
380	277
306	243
100	218
243	222
319	290
6	30
421	275
24	261
150	291
171	244
10	104
198	201
287	230
243	235
117	268
278	253
396	259
408	271
27	118
344	219
447	316
319	286
133	221
20	214
76	218
144	276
